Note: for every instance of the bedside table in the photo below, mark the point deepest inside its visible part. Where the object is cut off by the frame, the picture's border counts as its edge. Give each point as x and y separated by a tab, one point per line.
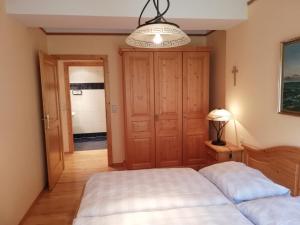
225	153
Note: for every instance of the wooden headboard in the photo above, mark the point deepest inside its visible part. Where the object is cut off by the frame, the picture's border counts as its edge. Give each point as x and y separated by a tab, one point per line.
281	164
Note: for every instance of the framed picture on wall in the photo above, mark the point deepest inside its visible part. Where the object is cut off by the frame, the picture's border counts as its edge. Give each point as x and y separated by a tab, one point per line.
290	78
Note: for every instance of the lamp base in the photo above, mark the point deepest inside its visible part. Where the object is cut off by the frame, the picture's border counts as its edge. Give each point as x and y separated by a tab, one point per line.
219	142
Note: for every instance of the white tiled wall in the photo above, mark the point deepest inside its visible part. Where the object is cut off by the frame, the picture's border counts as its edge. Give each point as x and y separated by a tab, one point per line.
89	108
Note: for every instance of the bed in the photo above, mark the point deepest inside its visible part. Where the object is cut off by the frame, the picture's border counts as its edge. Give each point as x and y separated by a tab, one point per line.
210	215
185	196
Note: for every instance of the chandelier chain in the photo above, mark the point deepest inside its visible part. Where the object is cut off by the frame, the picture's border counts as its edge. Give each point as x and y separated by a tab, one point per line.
159	17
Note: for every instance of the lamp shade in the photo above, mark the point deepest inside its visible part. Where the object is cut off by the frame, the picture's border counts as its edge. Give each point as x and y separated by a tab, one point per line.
158	35
219	115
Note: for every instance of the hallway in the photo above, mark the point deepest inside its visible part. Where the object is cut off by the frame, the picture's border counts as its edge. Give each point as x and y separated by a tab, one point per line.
59	206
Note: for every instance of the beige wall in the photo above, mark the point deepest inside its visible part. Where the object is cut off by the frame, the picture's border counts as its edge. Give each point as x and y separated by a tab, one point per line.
254	47
22	156
217	41
104	45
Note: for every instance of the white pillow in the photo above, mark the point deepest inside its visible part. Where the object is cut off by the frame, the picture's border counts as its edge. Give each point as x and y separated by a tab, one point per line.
242	183
272	211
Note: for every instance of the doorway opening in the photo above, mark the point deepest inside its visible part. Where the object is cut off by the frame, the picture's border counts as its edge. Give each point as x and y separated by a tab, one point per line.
85	105
87	98
57	92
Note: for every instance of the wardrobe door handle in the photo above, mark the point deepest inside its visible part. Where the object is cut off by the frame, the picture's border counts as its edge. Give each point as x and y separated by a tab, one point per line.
156	117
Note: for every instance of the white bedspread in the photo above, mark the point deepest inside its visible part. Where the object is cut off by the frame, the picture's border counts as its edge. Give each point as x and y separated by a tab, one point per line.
111	193
272	211
211	215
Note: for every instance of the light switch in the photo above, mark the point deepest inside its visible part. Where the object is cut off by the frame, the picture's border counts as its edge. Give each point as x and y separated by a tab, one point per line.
114	108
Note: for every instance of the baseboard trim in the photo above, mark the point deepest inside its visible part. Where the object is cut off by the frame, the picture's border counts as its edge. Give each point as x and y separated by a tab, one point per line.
31	206
122	164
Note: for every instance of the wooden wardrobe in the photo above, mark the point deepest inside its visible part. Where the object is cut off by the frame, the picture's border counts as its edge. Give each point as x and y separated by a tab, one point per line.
166	97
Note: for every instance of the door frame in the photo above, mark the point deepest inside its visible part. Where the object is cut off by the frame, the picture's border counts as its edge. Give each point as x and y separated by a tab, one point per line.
88	60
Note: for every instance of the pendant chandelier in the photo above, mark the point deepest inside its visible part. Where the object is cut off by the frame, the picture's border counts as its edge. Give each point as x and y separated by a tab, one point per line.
157	32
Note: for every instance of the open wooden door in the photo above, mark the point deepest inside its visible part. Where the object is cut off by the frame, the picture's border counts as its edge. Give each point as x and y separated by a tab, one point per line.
51	118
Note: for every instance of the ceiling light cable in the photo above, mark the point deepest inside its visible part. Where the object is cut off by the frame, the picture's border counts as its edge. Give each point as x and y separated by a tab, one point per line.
157	32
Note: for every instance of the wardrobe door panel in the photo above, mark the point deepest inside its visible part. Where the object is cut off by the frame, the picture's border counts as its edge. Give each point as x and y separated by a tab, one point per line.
195	107
168	108
139	109
140	153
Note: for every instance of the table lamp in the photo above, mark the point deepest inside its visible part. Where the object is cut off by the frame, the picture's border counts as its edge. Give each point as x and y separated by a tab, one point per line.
219	118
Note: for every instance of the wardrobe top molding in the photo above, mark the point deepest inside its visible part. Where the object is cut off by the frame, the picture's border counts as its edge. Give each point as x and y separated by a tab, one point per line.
182	49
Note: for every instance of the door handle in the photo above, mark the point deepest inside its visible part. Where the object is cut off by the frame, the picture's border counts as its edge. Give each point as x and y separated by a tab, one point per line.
47	120
156	117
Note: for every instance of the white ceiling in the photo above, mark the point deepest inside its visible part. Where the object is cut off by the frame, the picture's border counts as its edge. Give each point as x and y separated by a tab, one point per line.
120	16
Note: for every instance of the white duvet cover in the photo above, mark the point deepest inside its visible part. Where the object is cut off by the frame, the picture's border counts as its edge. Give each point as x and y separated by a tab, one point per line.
272	211
211	215
117	192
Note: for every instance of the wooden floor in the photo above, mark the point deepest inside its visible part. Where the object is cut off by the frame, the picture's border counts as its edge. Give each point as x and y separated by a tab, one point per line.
59	206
